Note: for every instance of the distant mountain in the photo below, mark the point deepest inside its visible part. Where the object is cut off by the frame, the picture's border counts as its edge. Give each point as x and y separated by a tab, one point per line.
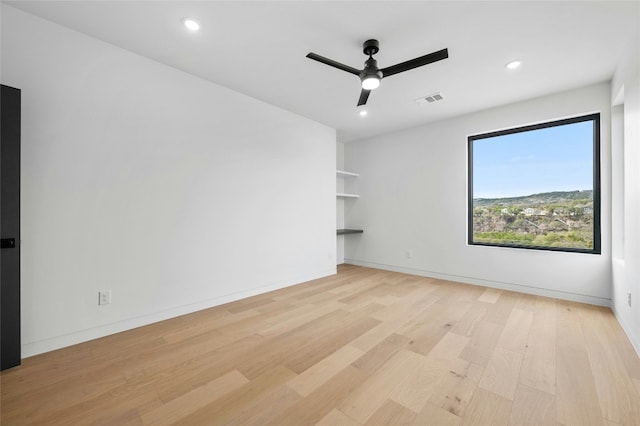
556	197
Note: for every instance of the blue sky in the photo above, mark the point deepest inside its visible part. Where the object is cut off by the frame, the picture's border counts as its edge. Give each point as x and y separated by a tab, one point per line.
557	158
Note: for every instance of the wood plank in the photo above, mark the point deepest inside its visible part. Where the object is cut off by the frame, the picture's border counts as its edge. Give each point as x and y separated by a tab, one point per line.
314	377
170	380
294	319
487	408
526	302
246	304
422	384
449	347
576	397
532	407
321	346
201	396
414	303
619	400
501	374
206	326
623	346
457	386
366	399
276	351
391	413
500	311
490	295
397	317
515	334
321	401
482	343
260	411
430	377
237	402
539	363
112	410
432	415
377	334
467	325
434	325
379	354
337	418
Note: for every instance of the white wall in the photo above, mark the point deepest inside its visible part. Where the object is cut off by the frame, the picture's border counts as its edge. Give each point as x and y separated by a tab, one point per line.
340	187
413	197
625	90
172	192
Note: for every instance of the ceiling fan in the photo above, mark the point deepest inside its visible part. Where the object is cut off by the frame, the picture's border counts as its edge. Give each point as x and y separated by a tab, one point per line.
371	75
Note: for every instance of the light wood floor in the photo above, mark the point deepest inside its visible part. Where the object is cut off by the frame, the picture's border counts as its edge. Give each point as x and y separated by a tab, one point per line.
362	347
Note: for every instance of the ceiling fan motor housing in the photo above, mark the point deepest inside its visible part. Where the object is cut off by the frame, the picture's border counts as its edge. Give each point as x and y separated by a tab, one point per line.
370	69
370	47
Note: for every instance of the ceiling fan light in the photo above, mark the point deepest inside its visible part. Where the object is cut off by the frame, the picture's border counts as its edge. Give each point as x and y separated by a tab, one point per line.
371	82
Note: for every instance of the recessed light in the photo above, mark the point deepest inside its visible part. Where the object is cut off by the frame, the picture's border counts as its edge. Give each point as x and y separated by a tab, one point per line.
513	65
363	113
191	24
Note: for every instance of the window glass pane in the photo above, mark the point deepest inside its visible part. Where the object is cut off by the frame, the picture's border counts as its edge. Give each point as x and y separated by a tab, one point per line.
537	186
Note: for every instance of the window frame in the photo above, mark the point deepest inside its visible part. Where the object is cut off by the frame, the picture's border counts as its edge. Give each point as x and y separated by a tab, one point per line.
595	118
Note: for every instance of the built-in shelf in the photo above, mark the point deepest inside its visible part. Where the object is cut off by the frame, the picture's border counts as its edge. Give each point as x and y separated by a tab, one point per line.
349	231
347	174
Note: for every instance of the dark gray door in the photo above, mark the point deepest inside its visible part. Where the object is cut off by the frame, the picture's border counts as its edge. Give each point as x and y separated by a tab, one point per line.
10	227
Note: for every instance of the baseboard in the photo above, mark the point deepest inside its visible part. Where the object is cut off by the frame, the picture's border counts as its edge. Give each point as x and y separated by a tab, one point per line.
47	345
633	338
592	300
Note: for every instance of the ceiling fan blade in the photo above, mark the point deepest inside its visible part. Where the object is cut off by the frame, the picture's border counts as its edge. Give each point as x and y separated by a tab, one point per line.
333	63
364	95
415	63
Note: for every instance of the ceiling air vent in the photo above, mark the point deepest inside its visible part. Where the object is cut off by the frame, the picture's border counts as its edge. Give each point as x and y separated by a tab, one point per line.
429	99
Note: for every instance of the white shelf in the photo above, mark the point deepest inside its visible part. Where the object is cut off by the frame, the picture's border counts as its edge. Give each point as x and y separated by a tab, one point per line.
346	174
339	194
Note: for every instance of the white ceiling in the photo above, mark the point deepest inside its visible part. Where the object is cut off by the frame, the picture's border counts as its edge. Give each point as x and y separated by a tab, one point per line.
258	48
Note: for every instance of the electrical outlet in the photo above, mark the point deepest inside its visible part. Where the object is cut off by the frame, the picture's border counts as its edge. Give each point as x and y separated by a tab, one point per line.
104	297
629	298
408	254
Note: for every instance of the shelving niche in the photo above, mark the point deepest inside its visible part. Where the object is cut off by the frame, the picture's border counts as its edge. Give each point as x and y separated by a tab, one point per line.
345	174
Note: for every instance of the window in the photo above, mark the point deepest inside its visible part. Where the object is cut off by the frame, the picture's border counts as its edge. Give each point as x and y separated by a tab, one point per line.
537	186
